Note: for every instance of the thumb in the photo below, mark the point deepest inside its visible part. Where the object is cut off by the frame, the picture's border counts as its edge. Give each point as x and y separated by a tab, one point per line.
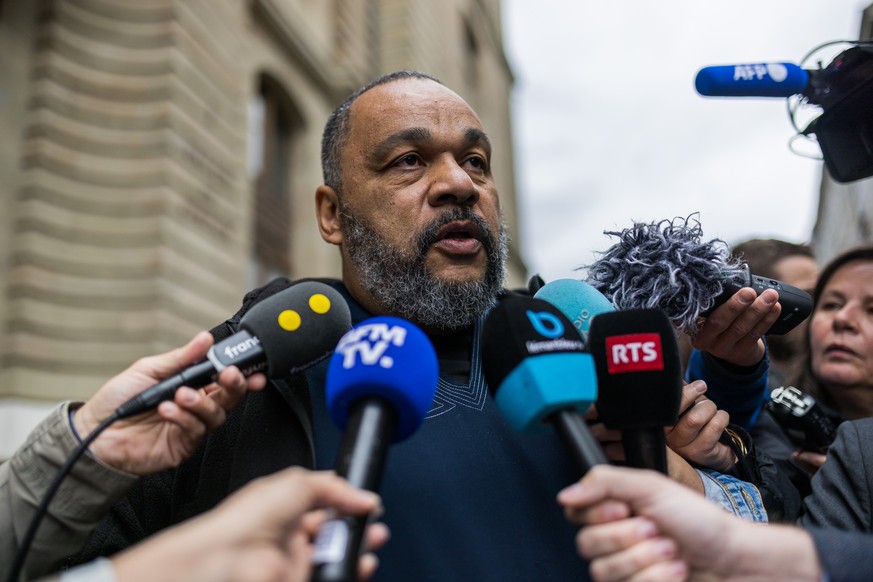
169	363
606	482
285	496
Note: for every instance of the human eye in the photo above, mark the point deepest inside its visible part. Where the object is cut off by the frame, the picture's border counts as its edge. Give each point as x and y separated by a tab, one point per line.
477	162
829	305
408	161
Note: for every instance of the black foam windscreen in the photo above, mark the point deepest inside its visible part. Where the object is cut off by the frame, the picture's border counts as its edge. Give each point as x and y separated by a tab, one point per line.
298	326
639	371
520	327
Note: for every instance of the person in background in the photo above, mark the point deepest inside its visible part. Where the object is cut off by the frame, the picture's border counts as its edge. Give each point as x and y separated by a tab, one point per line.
836	368
792	263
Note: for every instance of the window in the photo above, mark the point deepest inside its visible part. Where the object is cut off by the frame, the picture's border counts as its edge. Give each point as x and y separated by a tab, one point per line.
274	125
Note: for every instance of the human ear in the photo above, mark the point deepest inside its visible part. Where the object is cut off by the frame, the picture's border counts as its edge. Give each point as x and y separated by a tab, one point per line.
327	213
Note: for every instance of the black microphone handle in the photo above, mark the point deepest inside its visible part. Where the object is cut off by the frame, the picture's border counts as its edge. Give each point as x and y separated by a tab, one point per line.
577	437
361	461
200	374
645	448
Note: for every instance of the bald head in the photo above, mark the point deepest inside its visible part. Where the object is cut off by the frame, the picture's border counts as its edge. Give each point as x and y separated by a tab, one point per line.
336	130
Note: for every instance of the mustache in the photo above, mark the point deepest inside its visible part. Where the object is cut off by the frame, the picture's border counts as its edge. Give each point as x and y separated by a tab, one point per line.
430	234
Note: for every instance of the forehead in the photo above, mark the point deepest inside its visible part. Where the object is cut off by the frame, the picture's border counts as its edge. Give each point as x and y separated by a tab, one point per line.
859	272
407	103
855	274
798	270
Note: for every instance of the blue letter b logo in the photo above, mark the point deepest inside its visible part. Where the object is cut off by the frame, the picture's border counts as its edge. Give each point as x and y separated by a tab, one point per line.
546	324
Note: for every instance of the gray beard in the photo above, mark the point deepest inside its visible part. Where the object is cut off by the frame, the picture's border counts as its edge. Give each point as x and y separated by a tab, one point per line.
403	286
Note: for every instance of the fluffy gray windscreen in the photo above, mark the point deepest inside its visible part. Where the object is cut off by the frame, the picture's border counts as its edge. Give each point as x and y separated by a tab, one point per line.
665	265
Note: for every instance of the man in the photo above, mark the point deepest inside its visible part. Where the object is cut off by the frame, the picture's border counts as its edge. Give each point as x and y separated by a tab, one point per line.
409	199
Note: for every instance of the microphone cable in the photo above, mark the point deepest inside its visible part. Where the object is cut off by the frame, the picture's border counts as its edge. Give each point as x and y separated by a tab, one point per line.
42	509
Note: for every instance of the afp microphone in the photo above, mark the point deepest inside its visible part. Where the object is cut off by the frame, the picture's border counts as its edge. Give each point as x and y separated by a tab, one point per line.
380	385
640	377
536	369
752	80
665	265
578	300
280	336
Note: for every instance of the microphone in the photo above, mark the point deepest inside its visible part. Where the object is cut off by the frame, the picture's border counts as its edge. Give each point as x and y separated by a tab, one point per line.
578	300
640	376
537	372
281	335
752	80
380	385
665	265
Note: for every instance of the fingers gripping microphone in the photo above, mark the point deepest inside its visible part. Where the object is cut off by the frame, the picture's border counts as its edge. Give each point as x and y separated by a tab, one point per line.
281	335
380	385
665	265
578	300
640	378
538	374
752	80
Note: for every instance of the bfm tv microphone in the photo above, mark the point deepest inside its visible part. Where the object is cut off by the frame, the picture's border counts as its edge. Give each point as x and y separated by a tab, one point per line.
281	335
536	370
752	80
380	384
578	300
640	377
665	265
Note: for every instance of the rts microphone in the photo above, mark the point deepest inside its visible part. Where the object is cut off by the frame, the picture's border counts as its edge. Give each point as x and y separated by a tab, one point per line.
380	384
578	300
281	335
665	265
640	378
752	80
538	373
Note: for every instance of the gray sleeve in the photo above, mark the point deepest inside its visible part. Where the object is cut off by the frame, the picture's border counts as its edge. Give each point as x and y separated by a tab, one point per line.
84	498
844	556
841	489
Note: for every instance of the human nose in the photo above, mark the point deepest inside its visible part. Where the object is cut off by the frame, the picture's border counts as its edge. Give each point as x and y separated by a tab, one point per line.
845	318
451	184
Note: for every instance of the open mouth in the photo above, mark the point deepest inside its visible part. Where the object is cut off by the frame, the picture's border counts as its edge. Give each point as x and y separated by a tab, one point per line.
460	231
462	237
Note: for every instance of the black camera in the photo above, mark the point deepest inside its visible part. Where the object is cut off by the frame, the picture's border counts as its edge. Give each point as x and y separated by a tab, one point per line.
844	91
802	419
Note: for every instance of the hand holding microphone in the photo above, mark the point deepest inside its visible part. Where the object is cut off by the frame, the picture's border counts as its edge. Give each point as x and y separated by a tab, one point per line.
288	331
697	434
167	435
705	293
665	265
285	333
